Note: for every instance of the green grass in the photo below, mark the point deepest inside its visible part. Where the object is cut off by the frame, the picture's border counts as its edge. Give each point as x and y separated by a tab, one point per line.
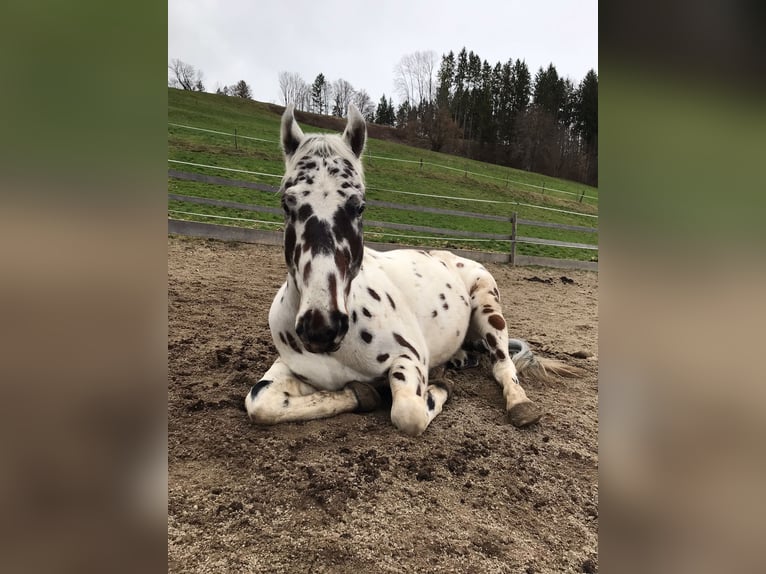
221	113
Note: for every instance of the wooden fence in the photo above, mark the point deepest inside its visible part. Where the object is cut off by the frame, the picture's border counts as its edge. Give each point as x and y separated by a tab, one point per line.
231	233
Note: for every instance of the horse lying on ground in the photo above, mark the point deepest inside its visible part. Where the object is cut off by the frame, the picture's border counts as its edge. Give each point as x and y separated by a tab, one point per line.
349	318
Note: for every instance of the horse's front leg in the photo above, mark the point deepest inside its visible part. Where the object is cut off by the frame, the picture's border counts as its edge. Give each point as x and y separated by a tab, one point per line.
415	402
280	397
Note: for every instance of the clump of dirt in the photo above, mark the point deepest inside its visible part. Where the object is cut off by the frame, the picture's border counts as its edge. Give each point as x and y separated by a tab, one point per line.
473	494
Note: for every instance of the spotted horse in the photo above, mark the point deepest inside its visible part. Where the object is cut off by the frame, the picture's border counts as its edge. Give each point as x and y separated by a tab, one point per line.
348	318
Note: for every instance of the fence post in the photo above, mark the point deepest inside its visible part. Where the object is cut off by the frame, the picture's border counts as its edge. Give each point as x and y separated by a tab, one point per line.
581	195
421	164
235	139
513	239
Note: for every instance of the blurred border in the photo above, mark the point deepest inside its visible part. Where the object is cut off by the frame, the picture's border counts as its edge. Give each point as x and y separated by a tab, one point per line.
83	483
682	277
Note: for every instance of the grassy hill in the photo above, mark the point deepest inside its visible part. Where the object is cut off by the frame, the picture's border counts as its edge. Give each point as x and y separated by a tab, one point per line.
475	183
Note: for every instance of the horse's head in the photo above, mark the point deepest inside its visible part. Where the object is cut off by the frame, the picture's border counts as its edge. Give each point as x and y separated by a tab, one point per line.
323	198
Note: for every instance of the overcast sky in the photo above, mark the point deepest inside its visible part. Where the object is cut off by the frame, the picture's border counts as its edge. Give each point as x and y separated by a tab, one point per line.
361	41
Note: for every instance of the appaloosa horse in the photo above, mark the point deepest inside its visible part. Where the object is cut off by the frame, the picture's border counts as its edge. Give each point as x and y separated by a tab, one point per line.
348	317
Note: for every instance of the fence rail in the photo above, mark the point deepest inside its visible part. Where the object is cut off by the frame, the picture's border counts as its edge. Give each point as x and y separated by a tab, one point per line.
237	233
245	235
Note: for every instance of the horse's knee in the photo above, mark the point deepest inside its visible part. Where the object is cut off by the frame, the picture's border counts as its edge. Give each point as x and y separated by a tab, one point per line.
257	405
409	416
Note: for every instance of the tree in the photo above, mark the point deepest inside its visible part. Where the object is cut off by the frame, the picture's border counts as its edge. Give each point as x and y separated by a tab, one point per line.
343	92
414	77
242	90
292	88
185	76
319	93
385	114
364	104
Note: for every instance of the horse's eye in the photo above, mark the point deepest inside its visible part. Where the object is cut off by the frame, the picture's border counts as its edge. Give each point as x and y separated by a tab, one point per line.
360	209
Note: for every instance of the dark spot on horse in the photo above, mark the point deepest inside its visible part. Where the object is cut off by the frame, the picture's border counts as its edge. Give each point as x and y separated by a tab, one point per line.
443	263
434	313
341	193
419	391
390	300
400	376
348	164
307	271
282	338
464	300
318	237
500	355
404	343
382	357
334	171
366	337
418	274
305	212
289	243
430	401
442	296
306	193
497	322
460	264
286	403
449	286
341	262
491	339
488	309
309	180
288	184
373	294
366	313
474	287
297	256
310	165
258	387
345	185
333	284
293	344
353	316
445	306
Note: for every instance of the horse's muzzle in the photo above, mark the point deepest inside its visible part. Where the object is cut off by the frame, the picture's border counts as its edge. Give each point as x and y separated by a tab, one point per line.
320	334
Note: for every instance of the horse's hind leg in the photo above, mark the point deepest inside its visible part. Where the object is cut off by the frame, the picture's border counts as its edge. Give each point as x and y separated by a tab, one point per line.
280	397
488	325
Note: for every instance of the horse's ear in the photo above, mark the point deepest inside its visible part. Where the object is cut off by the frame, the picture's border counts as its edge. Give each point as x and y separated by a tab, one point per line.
291	132
355	134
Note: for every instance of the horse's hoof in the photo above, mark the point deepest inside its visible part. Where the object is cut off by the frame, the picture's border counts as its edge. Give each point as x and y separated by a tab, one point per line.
445	384
367	397
525	414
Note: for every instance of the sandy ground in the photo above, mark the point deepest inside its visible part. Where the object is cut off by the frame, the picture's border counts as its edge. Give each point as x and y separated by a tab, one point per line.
350	494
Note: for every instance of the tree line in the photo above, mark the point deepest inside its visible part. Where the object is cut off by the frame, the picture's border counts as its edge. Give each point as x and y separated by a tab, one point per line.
187	77
464	106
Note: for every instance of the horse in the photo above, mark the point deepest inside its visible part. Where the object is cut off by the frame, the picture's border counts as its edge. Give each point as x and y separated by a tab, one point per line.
349	319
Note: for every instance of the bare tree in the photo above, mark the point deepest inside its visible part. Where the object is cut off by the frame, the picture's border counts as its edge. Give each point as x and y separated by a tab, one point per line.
184	75
365	105
414	77
293	89
343	92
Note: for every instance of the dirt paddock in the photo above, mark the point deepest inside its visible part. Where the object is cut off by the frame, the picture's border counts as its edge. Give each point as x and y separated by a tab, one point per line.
351	494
